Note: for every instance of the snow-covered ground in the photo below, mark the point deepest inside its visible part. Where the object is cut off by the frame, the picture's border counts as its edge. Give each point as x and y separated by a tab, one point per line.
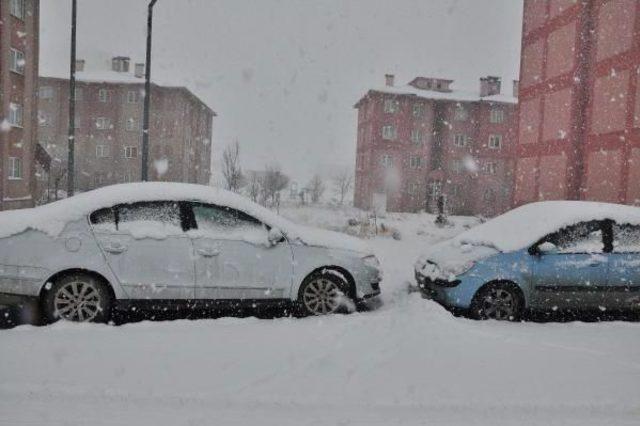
409	362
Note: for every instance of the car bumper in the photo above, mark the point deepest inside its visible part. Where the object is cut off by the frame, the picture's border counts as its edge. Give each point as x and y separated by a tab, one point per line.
441	291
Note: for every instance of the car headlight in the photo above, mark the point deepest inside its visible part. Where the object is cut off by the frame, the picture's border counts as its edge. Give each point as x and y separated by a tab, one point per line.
371	261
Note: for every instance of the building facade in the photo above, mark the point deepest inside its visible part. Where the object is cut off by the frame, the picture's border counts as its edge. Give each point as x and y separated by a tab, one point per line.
108	134
422	141
579	120
19	29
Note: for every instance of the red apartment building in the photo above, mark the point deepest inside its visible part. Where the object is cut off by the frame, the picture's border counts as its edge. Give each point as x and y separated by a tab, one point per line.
109	108
579	124
19	27
424	140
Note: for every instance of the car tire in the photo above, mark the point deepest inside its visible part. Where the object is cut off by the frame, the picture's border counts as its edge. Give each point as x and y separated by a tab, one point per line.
499	301
78	297
322	293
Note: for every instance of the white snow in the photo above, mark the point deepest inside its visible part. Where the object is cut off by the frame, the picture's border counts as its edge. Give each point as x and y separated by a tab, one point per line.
454	95
409	362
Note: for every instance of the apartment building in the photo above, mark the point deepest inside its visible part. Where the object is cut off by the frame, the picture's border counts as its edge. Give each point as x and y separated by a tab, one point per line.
108	134
19	29
579	121
425	140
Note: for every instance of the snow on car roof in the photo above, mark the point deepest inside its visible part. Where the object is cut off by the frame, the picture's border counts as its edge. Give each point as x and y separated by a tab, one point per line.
52	218
525	225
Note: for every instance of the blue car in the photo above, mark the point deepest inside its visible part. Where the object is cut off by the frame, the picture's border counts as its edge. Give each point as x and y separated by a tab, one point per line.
553	255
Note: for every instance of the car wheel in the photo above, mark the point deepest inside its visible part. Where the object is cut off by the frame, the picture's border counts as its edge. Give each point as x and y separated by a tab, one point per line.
498	301
321	294
78	297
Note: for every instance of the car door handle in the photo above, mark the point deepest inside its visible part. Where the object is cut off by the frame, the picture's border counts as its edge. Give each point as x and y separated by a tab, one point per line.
208	252
595	263
115	248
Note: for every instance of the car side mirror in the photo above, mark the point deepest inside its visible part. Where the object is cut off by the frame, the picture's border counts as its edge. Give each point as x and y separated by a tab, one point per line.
547	248
275	236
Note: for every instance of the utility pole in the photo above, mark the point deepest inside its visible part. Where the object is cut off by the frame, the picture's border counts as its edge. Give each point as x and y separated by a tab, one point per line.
147	97
72	104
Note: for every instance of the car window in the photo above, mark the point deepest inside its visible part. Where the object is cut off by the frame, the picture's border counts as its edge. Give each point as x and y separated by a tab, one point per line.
584	237
103	219
225	223
149	219
626	239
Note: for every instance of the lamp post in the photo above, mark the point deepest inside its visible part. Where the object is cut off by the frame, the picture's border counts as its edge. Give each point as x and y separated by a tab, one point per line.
72	105
147	97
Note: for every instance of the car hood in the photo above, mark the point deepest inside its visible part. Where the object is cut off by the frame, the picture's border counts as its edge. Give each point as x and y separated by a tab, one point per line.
327	239
450	258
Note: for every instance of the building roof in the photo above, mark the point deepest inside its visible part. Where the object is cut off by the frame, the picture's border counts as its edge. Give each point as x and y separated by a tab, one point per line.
115	77
454	95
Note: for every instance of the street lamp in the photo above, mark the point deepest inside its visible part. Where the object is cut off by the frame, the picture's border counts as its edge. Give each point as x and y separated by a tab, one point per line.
72	105
147	97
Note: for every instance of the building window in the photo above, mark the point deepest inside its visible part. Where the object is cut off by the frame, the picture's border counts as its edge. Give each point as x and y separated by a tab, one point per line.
44	119
103	123
416	136
130	152
460	140
103	95
132	125
15	114
15	168
389	132
457	166
17	61
496	116
413	188
102	151
495	141
490	168
18	9
418	110
415	162
460	113
456	189
435	189
98	179
386	160
132	97
391	106
78	94
45	92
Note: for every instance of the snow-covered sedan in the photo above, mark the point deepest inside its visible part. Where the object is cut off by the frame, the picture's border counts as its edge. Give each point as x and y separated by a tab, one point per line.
151	242
553	255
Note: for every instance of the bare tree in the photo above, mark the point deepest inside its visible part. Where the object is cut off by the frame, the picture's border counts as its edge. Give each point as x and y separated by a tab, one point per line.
273	181
342	183
254	186
231	170
316	188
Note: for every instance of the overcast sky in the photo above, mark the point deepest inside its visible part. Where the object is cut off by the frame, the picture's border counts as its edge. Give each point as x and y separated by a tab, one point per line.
283	75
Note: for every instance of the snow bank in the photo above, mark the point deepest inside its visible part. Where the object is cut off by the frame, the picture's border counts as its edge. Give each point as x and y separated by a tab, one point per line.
52	218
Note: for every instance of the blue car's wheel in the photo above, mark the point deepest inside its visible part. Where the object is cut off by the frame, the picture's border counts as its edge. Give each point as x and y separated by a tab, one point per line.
499	301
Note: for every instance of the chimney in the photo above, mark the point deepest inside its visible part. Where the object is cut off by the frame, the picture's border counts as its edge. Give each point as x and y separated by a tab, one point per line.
120	63
79	65
388	79
489	86
139	70
516	88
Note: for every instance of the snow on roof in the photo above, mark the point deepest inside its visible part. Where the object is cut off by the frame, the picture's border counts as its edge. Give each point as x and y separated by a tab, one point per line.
52	218
525	225
454	95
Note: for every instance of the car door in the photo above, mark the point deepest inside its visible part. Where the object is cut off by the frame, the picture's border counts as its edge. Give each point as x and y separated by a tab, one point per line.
624	267
147	249
234	257
570	268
